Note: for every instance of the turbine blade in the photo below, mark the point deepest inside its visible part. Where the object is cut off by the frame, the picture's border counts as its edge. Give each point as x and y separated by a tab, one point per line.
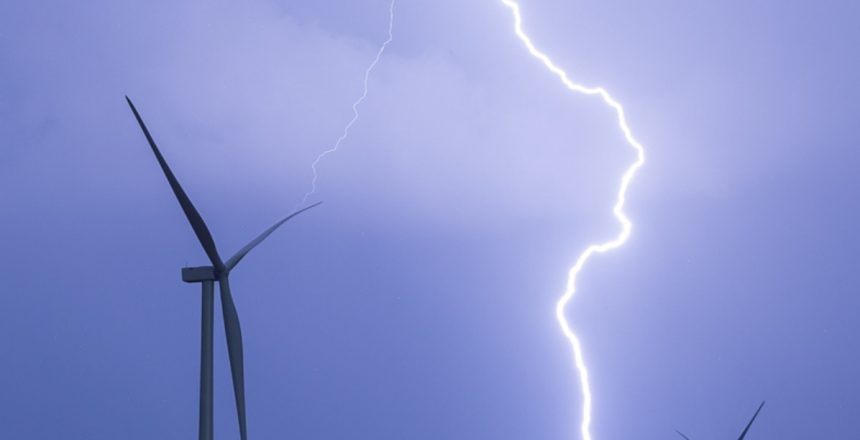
234	260
197	223
682	435
234	350
743	434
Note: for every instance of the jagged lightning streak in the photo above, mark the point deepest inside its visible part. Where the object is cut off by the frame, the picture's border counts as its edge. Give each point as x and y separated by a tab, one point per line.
617	210
355	104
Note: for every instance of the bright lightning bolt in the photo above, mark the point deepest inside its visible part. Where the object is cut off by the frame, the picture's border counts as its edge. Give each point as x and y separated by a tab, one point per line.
617	210
355	104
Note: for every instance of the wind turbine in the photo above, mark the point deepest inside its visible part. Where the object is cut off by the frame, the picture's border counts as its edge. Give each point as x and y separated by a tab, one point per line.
743	434
207	275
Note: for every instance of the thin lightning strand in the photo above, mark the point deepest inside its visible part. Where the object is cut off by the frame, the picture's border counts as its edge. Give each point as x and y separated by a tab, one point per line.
617	210
355	104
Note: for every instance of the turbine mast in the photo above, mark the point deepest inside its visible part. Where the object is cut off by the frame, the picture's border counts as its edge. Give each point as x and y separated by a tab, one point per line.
206	277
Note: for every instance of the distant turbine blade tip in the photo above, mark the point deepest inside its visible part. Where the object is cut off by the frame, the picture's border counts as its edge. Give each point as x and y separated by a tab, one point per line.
682	434
746	430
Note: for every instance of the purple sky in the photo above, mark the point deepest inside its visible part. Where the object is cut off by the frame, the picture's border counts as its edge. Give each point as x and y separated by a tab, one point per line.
417	302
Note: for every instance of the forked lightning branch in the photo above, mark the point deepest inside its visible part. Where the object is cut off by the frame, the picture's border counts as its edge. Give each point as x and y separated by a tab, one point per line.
355	105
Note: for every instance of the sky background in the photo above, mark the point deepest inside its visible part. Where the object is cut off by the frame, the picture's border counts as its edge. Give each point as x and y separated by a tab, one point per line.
418	301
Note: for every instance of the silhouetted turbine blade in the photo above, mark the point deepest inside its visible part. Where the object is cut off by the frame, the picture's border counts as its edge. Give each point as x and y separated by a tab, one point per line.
234	260
197	223
682	434
743	434
234	350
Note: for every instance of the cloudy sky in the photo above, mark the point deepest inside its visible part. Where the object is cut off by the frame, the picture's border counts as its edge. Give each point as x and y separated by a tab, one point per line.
418	301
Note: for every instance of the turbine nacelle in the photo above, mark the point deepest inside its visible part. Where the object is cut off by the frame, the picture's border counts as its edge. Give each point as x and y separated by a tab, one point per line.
199	274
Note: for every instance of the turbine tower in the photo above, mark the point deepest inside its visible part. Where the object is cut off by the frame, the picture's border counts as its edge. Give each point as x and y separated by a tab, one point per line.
206	276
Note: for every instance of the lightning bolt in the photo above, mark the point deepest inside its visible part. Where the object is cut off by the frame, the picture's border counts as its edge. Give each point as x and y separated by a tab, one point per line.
617	210
355	105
